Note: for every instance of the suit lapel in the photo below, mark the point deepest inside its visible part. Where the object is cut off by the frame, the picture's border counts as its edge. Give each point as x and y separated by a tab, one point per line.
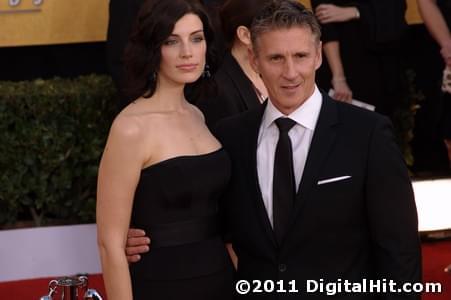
322	142
252	126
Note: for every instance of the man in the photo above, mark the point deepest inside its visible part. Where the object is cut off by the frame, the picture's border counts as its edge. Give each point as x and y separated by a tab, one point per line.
345	211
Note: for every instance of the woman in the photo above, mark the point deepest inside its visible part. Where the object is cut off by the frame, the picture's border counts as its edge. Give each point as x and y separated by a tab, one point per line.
437	18
159	169
239	87
362	46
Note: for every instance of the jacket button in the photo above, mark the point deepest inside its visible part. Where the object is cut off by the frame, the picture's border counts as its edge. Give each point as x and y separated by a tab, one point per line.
282	268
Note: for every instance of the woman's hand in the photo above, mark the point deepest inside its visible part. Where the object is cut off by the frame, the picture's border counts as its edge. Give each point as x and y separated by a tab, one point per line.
329	13
342	92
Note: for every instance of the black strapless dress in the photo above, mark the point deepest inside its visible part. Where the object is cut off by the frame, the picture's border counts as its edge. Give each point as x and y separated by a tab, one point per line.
176	203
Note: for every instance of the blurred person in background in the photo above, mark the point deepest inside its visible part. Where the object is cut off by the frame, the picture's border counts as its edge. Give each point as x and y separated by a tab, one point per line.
362	45
436	15
239	87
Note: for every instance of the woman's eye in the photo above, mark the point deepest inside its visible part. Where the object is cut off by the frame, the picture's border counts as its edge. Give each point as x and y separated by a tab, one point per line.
170	42
198	39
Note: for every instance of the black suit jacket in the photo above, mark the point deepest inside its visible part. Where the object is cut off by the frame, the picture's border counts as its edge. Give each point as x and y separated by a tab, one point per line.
361	227
236	93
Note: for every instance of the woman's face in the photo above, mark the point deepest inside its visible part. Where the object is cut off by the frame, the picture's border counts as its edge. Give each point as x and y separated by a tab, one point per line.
183	52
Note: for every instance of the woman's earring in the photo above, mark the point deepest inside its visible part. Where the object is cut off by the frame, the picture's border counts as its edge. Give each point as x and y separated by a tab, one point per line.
153	77
152	81
206	73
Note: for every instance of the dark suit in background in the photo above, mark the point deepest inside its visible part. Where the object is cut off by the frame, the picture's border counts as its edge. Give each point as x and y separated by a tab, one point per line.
361	227
236	93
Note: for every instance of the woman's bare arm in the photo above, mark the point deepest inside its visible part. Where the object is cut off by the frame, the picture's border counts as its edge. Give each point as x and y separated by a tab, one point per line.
118	176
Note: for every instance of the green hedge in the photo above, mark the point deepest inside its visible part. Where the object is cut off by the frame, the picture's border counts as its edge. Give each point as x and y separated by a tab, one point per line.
52	135
404	117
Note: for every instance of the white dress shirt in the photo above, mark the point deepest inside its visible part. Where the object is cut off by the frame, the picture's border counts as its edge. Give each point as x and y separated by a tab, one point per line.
301	136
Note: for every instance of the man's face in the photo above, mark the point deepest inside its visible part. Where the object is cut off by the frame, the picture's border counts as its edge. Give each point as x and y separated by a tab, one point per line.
287	59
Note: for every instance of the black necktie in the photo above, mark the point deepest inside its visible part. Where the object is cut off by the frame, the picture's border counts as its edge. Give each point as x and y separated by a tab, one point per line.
284	188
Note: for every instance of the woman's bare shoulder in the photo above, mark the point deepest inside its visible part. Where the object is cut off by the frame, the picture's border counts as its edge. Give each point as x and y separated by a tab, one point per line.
198	112
127	127
135	120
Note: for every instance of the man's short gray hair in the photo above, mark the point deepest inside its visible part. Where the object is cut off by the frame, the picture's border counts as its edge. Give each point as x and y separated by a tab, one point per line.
283	14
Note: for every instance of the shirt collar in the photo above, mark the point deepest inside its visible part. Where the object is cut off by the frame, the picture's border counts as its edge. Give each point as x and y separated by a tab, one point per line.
305	115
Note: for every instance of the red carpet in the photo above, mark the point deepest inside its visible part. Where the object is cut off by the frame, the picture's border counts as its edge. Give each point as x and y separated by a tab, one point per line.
436	256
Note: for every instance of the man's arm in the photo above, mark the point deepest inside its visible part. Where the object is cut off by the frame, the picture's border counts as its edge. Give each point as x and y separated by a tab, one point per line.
391	211
138	243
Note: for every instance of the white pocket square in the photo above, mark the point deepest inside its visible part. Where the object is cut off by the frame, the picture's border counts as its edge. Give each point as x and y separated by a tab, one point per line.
334	179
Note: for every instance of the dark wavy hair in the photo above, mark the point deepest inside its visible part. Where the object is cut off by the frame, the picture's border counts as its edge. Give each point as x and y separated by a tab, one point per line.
235	13
153	25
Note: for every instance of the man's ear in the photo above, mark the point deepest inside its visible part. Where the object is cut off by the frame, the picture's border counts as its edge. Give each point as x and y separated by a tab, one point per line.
244	35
